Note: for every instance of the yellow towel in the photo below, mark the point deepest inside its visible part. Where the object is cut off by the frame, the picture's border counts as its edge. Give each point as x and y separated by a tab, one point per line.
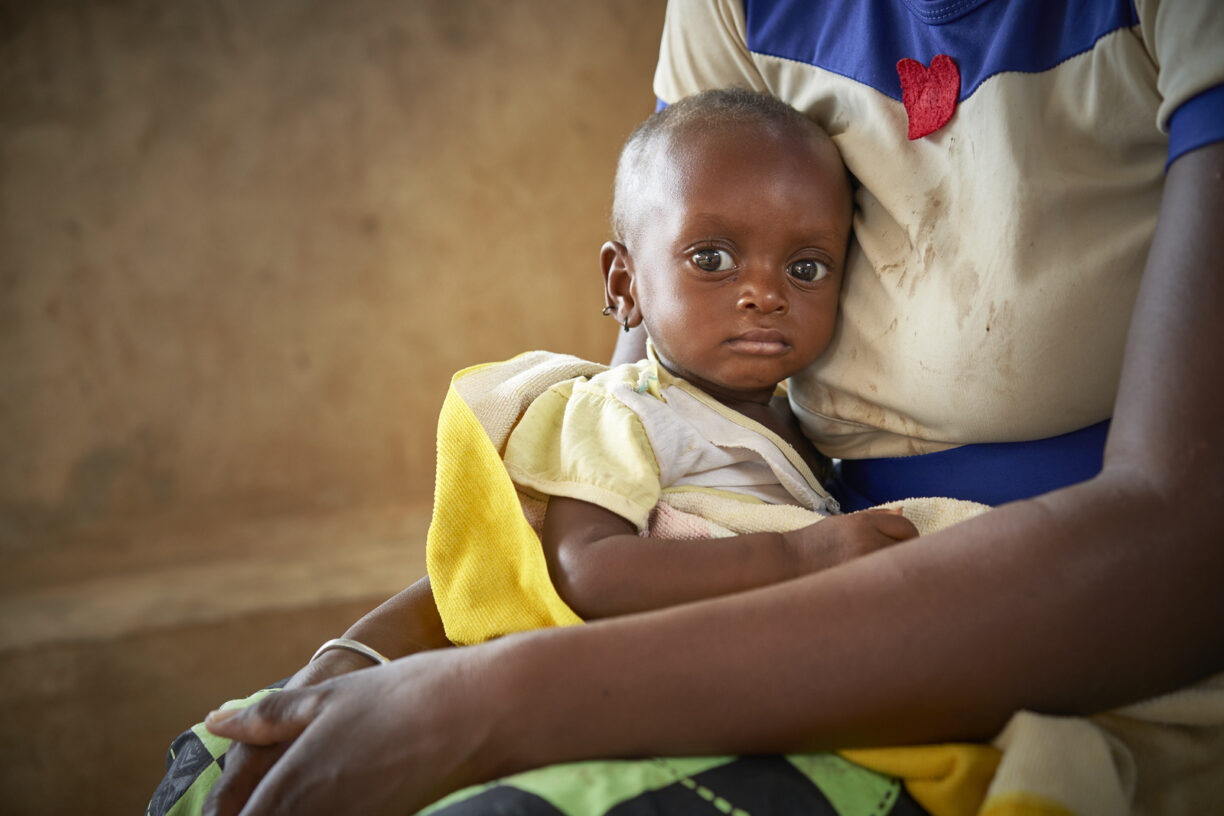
1164	756
480	545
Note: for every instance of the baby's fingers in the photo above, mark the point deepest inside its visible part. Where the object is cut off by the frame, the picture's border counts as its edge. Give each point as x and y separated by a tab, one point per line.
890	523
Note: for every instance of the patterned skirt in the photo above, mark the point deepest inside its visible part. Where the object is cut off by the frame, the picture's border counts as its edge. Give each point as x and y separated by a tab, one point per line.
820	784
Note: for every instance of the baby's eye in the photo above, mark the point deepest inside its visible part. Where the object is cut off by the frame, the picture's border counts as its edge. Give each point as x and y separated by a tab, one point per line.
808	271
713	260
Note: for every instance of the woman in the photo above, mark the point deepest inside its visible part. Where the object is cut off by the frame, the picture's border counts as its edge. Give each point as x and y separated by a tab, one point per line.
1035	605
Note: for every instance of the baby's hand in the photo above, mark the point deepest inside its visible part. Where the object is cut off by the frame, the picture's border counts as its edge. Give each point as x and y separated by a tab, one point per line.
837	539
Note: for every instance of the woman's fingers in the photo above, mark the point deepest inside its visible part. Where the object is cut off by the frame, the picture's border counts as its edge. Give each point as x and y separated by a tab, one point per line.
277	789
261	734
277	718
263	740
245	767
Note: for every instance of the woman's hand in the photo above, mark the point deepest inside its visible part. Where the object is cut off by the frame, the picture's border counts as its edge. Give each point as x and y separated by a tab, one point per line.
246	765
838	539
406	624
387	740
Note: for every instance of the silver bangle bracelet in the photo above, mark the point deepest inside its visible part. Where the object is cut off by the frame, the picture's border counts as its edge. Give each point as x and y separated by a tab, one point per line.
353	646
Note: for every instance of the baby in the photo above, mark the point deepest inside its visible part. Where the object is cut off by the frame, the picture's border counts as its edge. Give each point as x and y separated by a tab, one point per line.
731	220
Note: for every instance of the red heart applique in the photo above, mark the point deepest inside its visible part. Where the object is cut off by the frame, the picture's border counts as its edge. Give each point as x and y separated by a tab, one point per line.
929	94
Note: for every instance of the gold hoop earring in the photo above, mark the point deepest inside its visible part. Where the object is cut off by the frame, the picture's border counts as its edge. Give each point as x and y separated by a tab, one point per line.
607	310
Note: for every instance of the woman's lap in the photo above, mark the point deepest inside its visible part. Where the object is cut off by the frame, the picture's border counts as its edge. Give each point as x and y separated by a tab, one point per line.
796	785
809	784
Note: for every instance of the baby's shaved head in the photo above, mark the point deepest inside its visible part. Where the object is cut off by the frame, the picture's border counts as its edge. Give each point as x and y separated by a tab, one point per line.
705	111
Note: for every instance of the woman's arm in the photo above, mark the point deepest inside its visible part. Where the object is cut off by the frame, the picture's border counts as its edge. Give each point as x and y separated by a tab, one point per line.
1093	596
601	567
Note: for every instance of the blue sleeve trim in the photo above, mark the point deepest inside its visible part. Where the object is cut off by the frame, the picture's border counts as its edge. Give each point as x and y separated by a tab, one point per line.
659	105
1198	122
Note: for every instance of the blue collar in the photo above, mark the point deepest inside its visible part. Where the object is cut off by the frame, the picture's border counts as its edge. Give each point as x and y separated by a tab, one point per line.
938	12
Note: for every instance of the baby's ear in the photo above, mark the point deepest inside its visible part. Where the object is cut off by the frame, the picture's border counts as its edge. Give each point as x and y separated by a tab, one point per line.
619	292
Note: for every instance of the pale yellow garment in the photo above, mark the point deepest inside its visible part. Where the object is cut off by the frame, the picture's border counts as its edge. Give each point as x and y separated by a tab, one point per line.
489	579
624	438
602	456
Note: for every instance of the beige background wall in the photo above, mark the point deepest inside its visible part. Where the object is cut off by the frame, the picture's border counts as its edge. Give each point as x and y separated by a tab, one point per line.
243	245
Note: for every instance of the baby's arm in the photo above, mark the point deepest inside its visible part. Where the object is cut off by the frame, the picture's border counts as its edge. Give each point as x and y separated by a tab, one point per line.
601	567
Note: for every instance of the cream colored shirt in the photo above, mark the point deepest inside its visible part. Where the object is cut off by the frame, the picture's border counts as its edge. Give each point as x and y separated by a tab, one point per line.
997	260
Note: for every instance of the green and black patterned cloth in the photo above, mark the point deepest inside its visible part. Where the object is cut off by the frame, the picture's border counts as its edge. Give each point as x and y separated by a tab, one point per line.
795	785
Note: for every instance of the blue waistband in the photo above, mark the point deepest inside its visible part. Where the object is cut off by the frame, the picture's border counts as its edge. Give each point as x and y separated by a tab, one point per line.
989	473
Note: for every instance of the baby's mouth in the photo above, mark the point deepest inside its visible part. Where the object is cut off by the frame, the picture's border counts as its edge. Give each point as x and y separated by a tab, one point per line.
766	342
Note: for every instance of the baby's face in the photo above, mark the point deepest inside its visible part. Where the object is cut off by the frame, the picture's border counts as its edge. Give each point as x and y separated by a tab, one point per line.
738	257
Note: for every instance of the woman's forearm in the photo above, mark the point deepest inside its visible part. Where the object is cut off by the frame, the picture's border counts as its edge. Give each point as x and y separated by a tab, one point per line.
940	638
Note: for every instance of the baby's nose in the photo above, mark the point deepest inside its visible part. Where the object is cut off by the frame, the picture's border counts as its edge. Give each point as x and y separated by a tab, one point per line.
763	293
